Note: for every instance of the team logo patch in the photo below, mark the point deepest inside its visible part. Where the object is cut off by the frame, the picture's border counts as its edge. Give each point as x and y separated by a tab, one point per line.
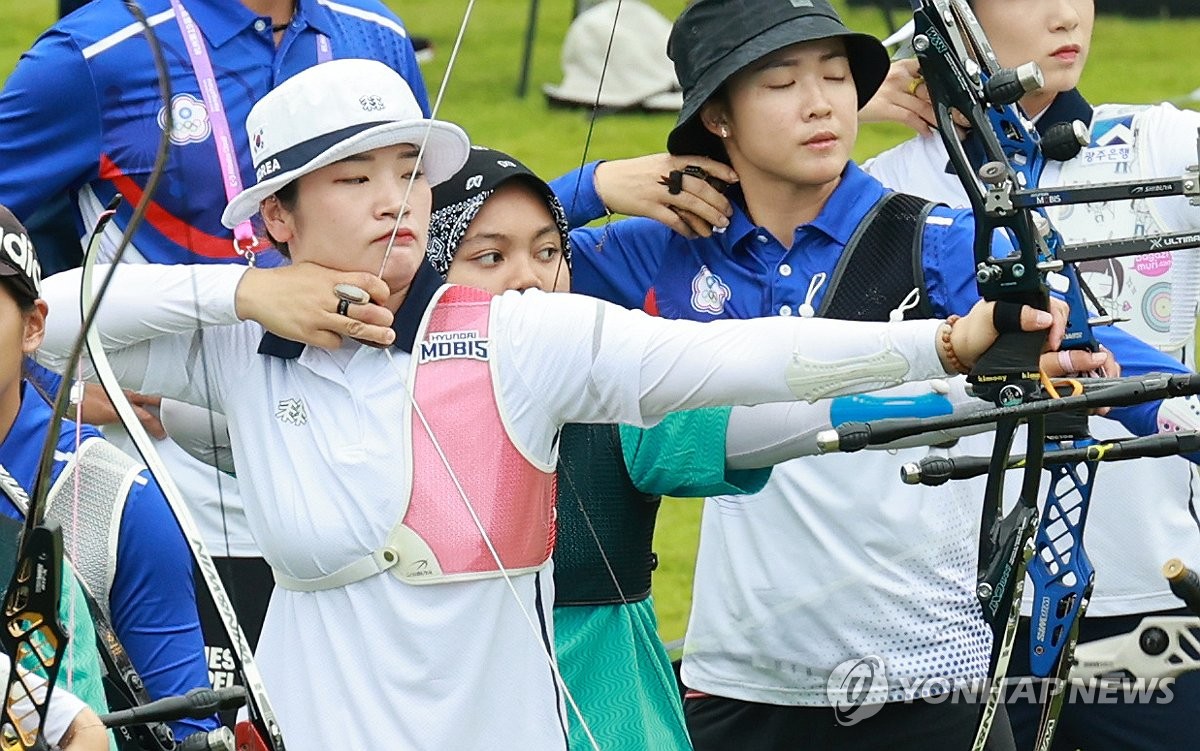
450	345
189	120
292	411
1112	142
371	103
709	293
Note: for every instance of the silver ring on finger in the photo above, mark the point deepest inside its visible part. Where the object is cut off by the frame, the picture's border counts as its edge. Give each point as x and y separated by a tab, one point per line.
351	293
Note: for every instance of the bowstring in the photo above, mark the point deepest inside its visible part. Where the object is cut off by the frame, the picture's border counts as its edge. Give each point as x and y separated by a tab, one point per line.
564	471
587	143
548	651
437	105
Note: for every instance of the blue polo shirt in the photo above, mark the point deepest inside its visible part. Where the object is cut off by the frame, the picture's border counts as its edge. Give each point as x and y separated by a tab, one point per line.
745	272
80	113
153	597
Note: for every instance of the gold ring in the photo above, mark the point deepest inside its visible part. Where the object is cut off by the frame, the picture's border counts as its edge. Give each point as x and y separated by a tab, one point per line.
915	84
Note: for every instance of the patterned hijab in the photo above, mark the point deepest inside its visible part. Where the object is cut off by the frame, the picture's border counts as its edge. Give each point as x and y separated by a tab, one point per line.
458	200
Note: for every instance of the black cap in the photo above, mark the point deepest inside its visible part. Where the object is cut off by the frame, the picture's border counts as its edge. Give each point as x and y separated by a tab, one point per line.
457	200
713	39
18	261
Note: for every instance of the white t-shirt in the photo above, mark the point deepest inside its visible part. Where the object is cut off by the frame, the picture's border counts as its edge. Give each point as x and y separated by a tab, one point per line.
1141	512
320	446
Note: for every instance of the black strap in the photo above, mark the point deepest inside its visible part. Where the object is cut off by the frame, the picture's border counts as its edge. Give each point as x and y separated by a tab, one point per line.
882	263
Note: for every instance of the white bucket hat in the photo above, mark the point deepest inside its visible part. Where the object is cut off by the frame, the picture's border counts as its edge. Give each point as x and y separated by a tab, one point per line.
639	72
335	110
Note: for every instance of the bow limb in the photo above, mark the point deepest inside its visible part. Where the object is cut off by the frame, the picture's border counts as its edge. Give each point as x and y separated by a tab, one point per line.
260	705
33	637
90	299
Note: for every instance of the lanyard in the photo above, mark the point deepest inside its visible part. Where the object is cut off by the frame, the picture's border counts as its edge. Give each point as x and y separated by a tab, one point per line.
244	241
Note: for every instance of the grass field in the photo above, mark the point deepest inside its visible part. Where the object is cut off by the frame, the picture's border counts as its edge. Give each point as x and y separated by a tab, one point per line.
1132	61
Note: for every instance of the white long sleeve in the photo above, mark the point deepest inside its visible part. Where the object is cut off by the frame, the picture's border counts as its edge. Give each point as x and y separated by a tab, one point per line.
770	434
60	713
684	364
561	358
149	315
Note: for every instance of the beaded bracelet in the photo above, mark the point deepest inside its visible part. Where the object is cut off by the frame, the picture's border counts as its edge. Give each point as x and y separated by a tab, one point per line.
948	347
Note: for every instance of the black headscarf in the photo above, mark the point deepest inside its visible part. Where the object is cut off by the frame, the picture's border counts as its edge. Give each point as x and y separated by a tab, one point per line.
458	200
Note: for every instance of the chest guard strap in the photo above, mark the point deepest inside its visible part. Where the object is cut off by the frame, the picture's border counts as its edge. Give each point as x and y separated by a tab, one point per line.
91	524
882	263
438	538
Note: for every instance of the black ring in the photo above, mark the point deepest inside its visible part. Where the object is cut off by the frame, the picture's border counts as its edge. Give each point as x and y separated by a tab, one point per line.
675	182
343	307
716	183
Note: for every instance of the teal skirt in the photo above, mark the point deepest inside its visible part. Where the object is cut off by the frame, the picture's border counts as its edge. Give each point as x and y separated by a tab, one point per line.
618	673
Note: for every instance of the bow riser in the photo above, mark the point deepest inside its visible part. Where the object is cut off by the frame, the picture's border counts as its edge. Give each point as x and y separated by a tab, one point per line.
1007	373
1061	572
32	637
1160	647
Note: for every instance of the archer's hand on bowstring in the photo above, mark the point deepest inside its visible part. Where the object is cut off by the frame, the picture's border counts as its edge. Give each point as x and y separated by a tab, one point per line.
669	189
299	302
904	98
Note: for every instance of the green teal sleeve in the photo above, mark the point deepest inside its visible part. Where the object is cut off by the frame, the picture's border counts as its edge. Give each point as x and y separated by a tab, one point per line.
684	456
83	672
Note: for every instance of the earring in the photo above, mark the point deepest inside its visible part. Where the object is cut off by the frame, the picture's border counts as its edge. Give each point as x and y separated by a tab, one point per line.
724	132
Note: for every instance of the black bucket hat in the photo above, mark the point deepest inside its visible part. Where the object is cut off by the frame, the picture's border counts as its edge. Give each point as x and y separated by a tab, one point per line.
713	39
